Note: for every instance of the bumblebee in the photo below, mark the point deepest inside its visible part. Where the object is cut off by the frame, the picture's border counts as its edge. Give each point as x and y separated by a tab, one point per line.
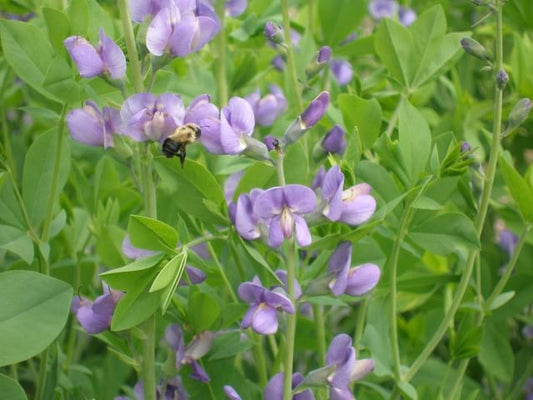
176	143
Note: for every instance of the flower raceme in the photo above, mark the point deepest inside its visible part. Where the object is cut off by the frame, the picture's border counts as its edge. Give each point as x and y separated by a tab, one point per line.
107	57
262	315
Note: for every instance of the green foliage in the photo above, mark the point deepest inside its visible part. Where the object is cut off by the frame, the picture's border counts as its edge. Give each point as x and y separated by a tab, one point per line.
10	388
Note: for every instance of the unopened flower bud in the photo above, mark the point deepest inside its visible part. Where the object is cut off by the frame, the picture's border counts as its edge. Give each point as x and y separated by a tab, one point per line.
475	48
321	59
518	114
501	79
274	33
309	117
465	147
256	149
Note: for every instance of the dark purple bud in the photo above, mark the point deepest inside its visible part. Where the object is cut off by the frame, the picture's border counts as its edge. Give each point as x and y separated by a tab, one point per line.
274	33
502	78
198	373
342	71
334	141
309	117
406	16
195	275
270	142
278	63
318	63
518	114
475	48
507	241
324	54
465	147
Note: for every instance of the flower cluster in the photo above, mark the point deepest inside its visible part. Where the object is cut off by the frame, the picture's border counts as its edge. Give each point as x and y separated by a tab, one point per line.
95	317
380	9
266	109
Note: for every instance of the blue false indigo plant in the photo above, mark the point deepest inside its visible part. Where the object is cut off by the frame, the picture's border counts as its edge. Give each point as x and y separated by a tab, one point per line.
350	180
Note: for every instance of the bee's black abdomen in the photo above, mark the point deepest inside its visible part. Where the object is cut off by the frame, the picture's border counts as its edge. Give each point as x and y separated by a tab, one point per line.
170	148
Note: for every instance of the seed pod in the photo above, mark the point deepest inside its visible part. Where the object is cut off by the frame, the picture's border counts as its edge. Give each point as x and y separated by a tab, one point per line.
475	48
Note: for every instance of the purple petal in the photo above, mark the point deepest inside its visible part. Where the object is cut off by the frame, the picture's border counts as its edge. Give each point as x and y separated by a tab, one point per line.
75	304
136	104
265	320
275	299
236	7
274	388
282	275
210	137
343	393
269	203
199	373
342	71
230	185
275	234
324	54
332	193
406	16
246	221
251	292
240	115
174	337
200	108
139	9
303	236
383	8
112	56
248	317
130	251
195	275
267	110
91	321
334	141
362	279
362	368
343	375
314	112
208	27
356	209
341	257
319	178
160	30
305	395
86	125
112	124
300	199
338	349
85	56
231	393
278	63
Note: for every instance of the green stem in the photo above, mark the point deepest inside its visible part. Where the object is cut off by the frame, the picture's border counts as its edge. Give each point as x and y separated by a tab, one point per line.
260	360
360	323
273	345
220	65
483	208
291	323
318	313
131	46
222	273
279	169
204	239
43	370
393	275
393	119
5	135
311	7
291	65
14	372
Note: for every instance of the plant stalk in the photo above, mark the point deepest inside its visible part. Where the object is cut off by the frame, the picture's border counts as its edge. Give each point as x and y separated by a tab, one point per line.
291	64
291	323
131	46
221	53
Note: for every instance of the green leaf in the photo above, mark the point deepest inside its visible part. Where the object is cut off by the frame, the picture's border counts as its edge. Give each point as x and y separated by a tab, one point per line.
326	301
166	297
27	51
126	277
151	234
228	345
393	44
78	13
445	234
190	186
414	140
259	175
10	389
203	311
296	165
58	27
35	310
168	274
38	174
501	300
496	355
340	20
109	246
408	390
379	178
245	68
466	343
258	258
365	114
520	190
59	81
17	242
331	241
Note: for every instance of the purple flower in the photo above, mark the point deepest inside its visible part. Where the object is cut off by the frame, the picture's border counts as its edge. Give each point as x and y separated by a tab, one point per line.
282	208
268	108
194	275
274	34
507	241
342	71
228	135
230	185
278	63
247	222
318	63
318	180
107	57
181	28
406	16
383	8
332	185
355	281
231	393
140	9
190	354
262	315
91	126
282	275
341	356
95	317
274	388
357	204
334	141
308	118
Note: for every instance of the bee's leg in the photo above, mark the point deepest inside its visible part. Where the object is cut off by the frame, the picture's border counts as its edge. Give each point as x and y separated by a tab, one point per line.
182	154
